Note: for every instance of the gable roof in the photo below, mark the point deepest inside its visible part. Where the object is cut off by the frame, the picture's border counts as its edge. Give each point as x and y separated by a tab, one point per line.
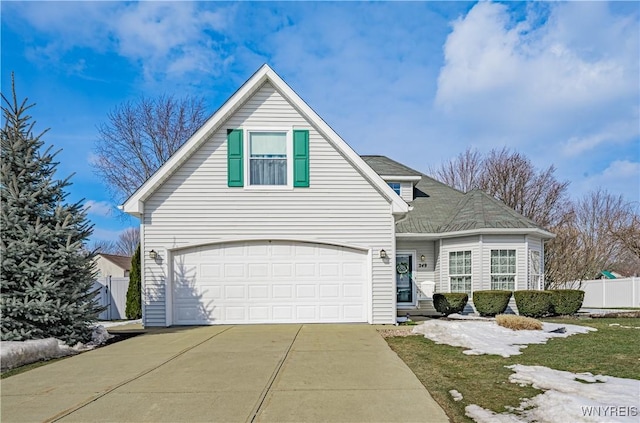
134	204
123	262
440	210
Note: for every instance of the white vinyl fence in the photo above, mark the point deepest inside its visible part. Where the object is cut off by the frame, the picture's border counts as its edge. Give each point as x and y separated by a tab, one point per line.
606	293
112	295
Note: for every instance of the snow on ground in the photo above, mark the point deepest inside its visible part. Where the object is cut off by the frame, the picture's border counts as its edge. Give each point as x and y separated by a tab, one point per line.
568	397
457	396
485	336
109	324
19	353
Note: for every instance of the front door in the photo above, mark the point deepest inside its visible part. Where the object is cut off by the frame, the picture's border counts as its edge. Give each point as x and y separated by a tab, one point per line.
404	278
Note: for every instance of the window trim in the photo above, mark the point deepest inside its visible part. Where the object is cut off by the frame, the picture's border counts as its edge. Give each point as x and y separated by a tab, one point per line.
399	191
247	157
469	275
514	274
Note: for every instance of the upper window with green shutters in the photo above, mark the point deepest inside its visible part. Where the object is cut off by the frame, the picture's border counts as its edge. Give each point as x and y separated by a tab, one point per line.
268	158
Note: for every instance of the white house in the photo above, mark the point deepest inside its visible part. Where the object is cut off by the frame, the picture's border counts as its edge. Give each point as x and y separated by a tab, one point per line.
112	265
266	215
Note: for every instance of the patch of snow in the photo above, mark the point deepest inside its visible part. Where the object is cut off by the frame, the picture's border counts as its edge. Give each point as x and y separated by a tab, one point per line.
456	316
487	337
482	415
567	399
110	324
19	353
457	396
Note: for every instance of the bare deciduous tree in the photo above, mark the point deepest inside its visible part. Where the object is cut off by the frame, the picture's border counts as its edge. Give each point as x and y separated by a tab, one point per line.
140	136
513	179
128	241
126	244
597	233
510	177
463	172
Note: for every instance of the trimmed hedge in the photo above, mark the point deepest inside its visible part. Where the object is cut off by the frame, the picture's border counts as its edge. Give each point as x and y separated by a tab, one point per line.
566	302
533	303
490	303
450	302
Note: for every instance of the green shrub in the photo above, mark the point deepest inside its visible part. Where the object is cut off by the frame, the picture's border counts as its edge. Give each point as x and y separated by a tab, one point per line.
533	303
566	302
133	309
450	302
490	303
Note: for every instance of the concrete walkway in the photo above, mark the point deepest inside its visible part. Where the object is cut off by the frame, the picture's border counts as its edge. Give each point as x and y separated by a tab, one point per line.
256	373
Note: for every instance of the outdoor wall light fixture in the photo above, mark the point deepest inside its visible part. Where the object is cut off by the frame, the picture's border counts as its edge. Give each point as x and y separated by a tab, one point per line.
383	254
153	255
422	258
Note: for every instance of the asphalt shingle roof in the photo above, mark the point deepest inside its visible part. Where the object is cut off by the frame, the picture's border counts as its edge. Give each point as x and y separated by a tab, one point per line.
121	261
385	166
438	208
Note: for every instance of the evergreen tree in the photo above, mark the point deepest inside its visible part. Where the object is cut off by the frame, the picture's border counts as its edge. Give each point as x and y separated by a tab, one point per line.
46	276
133	310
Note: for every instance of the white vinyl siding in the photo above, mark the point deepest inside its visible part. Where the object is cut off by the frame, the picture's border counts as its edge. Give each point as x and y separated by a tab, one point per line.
406	191
195	206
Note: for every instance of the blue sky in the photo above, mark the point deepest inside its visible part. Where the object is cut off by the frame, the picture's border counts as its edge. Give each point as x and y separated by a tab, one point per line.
417	81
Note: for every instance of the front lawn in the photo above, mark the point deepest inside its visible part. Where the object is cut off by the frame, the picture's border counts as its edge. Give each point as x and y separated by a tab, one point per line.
484	380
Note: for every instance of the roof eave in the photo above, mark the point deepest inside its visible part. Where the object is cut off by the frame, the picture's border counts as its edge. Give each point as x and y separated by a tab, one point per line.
483	231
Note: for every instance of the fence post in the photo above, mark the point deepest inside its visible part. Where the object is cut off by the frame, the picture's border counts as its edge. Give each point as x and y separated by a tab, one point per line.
604	293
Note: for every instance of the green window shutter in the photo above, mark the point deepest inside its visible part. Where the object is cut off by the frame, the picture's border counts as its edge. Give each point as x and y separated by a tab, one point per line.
235	168
300	158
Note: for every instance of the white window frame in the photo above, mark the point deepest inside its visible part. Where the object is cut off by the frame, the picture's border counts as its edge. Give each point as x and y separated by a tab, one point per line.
247	158
514	274
463	275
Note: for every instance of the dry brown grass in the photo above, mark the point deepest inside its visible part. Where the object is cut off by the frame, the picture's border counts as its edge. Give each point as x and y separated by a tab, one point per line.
518	322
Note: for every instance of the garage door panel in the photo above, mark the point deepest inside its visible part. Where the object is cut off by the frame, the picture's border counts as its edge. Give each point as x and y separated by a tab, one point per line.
234	292
234	270
305	291
282	269
352	291
283	291
270	282
306	313
258	292
330	291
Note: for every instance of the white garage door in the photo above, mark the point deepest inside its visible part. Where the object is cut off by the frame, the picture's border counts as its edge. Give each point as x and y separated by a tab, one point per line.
269	282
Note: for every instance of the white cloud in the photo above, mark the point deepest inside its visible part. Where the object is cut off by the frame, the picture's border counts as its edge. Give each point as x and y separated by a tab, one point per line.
99	208
568	73
161	37
622	169
618	177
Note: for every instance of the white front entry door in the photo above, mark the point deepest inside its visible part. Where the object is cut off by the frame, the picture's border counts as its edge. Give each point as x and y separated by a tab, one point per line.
270	282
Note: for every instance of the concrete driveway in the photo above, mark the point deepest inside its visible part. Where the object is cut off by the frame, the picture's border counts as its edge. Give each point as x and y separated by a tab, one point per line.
256	373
